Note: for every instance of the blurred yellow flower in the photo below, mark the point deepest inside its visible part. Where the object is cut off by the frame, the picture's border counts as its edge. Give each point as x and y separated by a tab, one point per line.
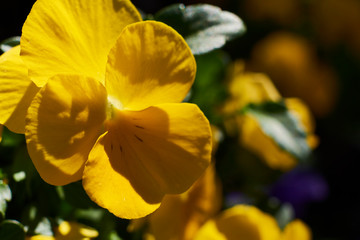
335	22
68	231
184	214
283	12
109	110
249	223
254	139
293	66
247	87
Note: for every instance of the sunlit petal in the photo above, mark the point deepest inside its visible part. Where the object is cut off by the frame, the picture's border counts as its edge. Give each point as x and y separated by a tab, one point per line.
149	64
16	90
63	123
73	36
146	154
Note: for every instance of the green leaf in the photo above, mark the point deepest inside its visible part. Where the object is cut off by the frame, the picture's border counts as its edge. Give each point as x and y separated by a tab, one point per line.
208	90
11	139
282	126
204	27
44	228
5	196
12	230
8	43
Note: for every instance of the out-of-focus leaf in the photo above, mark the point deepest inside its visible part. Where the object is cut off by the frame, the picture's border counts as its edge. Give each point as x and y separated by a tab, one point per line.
10	139
44	228
204	27
284	215
278	123
208	90
8	43
11	230
113	236
5	195
75	195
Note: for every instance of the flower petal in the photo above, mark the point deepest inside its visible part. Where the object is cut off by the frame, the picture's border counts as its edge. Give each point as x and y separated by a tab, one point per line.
240	222
296	230
146	154
149	64
16	90
63	123
73	36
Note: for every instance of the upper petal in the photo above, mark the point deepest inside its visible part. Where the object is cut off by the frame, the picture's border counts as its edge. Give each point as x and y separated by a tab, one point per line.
146	154
63	123
149	64
16	90
73	36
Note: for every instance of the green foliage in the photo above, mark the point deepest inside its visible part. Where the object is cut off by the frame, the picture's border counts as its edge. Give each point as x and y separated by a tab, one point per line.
204	27
209	90
282	126
11	230
5	196
8	43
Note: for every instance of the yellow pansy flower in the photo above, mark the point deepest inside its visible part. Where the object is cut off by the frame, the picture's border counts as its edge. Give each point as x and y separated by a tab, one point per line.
248	87
109	110
253	137
249	223
69	230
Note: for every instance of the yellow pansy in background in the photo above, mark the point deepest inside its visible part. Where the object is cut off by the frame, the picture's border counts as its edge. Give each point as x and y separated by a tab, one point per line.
16	90
247	87
240	222
292	64
109	110
282	12
68	231
249	223
244	88
180	216
253	138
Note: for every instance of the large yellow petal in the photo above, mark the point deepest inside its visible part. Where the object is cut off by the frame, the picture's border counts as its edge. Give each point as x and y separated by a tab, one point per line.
63	122
146	154
149	64
16	90
73	36
240	222
296	230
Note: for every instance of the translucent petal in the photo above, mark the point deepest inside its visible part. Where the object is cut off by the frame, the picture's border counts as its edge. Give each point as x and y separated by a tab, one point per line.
73	36
16	90
146	154
63	123
149	64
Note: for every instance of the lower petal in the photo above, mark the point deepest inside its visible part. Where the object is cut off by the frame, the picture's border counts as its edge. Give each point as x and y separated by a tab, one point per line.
146	154
63	123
